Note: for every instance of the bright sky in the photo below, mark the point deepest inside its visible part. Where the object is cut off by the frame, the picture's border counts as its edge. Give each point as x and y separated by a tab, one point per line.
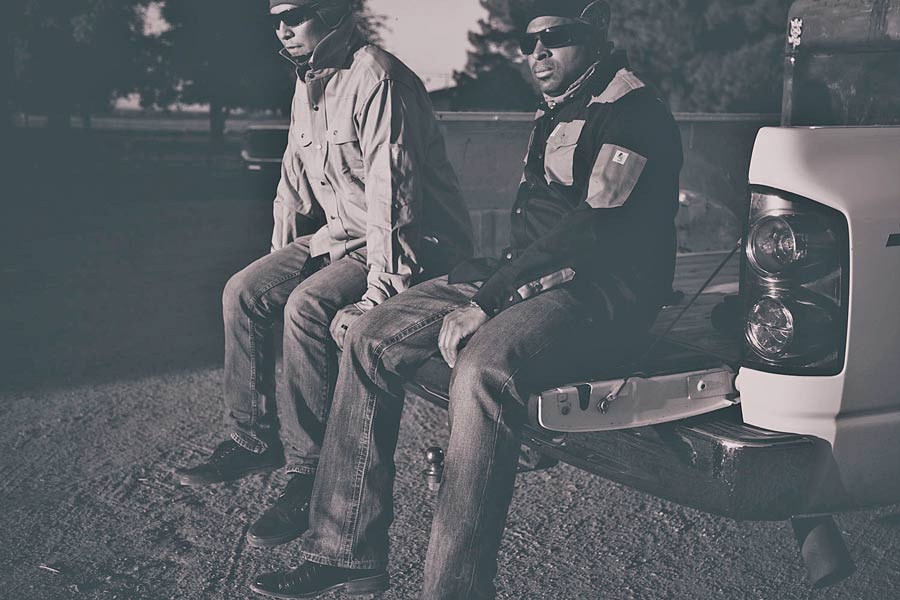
431	36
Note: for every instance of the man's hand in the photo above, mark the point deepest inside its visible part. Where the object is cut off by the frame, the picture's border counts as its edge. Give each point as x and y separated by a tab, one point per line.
342	322
459	325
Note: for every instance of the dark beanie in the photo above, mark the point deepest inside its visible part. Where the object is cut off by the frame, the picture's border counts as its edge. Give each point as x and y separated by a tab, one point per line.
594	13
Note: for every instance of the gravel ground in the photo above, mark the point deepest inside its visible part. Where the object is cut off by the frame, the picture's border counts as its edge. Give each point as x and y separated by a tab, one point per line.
112	268
91	510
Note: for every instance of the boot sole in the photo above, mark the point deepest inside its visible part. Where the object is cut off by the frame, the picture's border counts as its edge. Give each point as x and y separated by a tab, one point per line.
357	587
271	542
185	479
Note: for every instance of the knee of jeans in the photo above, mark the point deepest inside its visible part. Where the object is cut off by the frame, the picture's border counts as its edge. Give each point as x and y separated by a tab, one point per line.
237	295
304	307
479	373
364	338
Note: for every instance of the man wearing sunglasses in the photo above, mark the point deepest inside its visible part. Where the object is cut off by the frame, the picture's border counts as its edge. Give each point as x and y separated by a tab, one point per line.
366	206
590	264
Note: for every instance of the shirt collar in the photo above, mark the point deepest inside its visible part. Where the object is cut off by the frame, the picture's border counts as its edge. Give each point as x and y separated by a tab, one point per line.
597	77
332	51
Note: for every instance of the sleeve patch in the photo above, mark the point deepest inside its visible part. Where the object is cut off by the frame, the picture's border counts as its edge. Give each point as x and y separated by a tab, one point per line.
547	282
614	176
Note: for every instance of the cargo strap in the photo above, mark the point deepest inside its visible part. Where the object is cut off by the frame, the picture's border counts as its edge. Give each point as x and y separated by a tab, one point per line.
690	303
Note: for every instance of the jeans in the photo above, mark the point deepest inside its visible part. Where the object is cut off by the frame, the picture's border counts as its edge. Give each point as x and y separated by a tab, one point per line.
533	345
283	285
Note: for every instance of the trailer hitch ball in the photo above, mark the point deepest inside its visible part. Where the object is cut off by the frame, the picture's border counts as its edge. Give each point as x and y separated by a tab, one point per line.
434	472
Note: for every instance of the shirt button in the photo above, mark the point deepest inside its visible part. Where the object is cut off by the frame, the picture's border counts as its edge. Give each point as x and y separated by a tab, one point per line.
509	256
512	298
318	146
333	217
518	211
315	108
322	183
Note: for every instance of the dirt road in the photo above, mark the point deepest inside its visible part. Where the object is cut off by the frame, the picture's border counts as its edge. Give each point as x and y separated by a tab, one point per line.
112	271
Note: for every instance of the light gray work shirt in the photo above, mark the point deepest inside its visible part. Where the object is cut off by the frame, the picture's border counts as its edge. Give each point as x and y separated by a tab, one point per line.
364	148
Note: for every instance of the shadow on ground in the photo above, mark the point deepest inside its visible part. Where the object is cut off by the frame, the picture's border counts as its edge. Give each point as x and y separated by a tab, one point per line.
116	247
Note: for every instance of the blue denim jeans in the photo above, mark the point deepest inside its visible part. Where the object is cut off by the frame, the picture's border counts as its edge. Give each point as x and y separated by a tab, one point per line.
533	345
282	286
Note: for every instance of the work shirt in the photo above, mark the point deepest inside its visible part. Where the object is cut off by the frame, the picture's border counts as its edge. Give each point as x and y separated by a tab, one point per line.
596	205
366	156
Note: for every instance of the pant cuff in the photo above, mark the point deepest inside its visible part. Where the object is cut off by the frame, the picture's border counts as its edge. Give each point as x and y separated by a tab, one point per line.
343	564
248	442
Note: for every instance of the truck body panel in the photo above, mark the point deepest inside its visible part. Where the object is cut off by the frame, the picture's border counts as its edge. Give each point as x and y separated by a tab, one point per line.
855	170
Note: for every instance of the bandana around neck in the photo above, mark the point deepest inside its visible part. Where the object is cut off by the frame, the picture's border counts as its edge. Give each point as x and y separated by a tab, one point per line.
554	101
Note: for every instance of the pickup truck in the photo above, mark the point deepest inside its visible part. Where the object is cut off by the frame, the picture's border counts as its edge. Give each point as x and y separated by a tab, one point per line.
785	404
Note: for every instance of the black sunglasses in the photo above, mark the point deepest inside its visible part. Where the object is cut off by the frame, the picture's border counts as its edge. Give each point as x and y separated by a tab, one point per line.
555	37
291	18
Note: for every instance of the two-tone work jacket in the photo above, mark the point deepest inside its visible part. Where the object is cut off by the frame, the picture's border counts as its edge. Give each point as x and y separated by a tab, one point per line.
365	156
596	205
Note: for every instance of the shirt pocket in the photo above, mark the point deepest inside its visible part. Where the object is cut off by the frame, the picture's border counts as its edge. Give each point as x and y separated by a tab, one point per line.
347	152
559	159
300	137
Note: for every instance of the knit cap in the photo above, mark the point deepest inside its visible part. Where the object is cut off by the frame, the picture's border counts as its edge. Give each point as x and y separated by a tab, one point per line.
596	13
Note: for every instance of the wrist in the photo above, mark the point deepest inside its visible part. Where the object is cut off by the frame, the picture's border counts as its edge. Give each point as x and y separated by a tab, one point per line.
474	304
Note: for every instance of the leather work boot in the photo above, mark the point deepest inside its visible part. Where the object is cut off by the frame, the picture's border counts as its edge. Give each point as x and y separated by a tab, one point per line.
311	580
231	461
288	518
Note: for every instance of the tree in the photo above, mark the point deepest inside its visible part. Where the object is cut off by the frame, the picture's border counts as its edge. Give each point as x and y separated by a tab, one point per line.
708	55
73	56
494	77
704	55
224	54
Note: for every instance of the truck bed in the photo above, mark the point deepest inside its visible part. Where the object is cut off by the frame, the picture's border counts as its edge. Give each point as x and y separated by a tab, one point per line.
694	333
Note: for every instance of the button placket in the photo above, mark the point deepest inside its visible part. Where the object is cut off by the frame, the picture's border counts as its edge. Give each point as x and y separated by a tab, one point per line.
325	146
320	125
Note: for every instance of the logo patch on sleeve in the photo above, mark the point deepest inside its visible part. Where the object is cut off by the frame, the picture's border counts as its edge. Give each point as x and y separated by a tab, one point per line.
620	157
614	176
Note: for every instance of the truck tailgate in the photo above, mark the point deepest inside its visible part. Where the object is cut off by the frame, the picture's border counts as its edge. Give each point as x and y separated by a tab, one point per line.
692	345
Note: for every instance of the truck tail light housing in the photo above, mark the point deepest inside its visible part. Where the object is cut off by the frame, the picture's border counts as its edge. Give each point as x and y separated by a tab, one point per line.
795	285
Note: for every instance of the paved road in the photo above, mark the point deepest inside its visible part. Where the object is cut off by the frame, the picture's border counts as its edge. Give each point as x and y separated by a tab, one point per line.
112	269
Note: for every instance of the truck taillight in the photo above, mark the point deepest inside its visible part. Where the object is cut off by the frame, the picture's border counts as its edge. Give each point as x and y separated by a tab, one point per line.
795	285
